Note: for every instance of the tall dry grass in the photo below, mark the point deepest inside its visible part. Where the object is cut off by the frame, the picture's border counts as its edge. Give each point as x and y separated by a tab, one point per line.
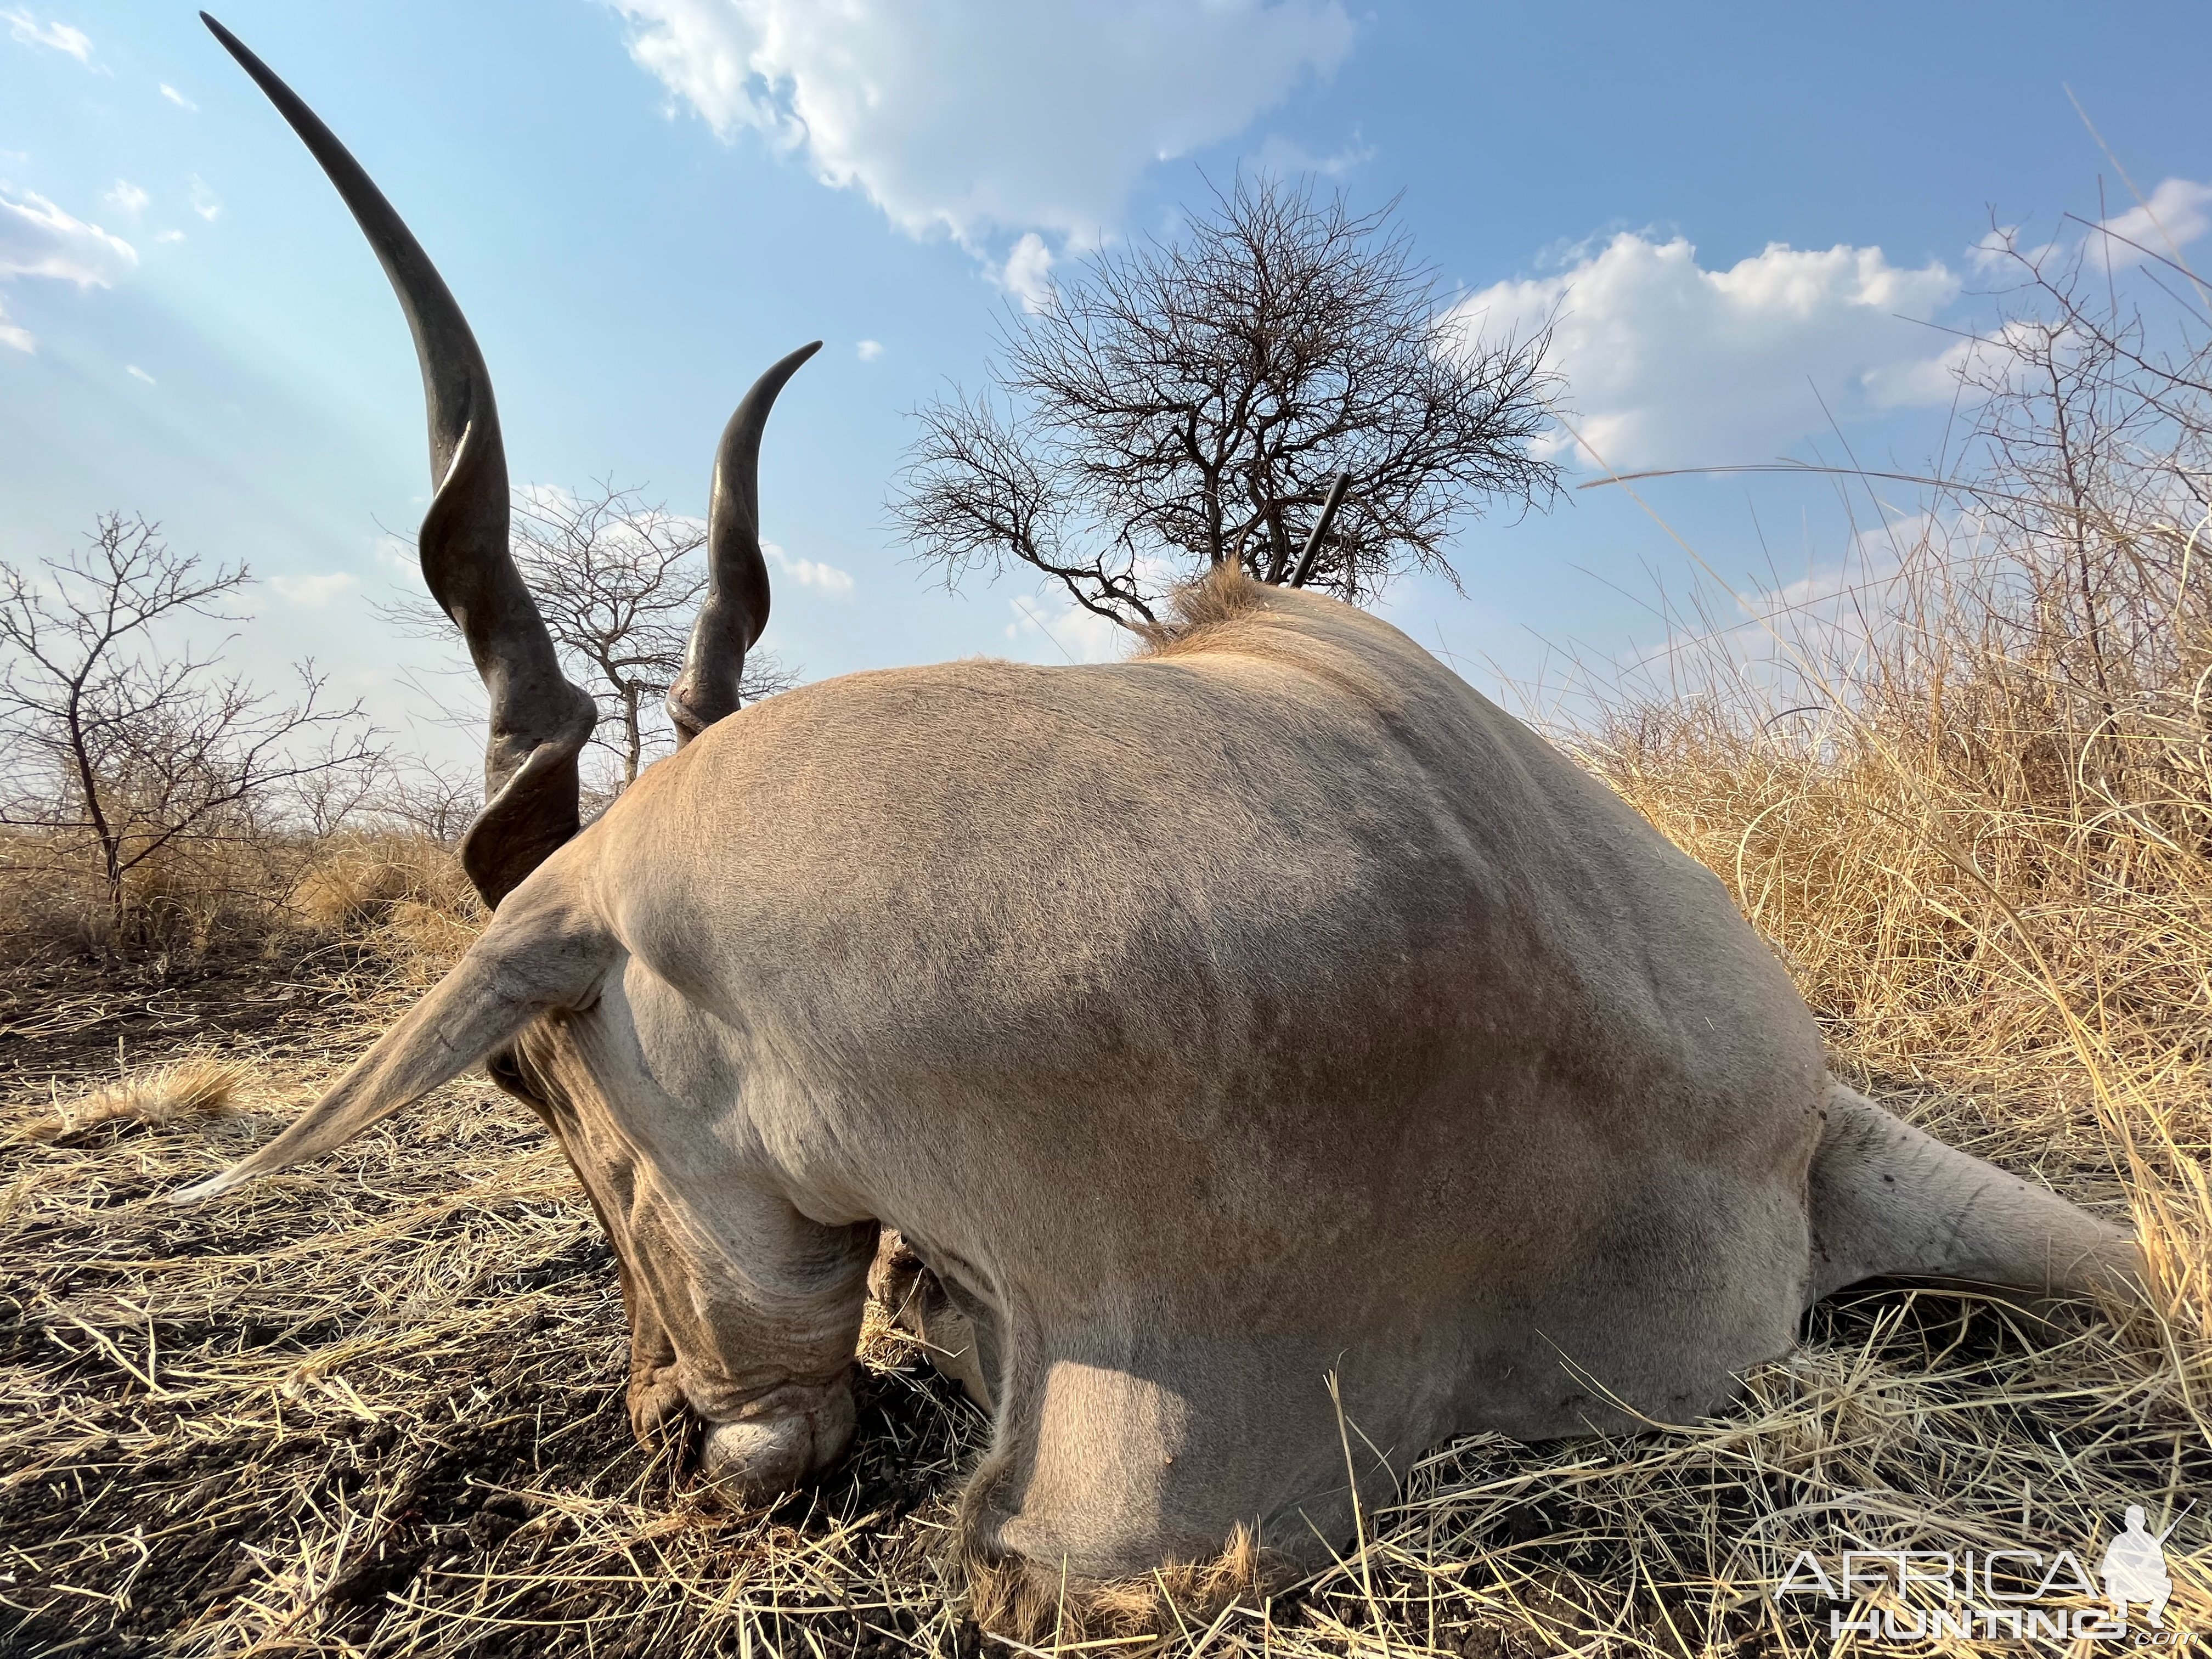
273	889
1965	787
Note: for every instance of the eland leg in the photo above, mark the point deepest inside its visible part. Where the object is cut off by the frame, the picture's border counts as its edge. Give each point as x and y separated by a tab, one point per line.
917	1303
1889	1200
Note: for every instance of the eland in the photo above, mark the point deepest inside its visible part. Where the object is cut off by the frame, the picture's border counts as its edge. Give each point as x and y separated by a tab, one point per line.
1275	1058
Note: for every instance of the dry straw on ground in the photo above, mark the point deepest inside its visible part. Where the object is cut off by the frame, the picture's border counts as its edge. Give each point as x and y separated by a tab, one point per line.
203	1085
375	1406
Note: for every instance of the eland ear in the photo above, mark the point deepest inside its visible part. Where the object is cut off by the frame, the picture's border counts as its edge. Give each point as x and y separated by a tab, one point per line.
735	610
540	720
547	949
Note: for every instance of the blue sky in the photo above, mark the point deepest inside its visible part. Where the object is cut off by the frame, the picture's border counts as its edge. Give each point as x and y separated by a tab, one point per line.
641	204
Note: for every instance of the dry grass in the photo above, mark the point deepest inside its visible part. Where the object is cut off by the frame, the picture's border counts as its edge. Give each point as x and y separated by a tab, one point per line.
375	1407
53	904
361	882
203	1085
276	888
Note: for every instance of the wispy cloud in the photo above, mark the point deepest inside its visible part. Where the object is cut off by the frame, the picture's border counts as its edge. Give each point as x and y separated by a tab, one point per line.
127	197
15	339
38	239
1281	154
138	373
1027	272
1056	630
312	592
810	573
868	350
2178	212
177	98
205	202
168	235
25	28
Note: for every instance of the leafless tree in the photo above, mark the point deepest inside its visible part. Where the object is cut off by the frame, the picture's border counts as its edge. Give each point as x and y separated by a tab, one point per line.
617	581
2088	476
428	798
1181	404
328	798
112	747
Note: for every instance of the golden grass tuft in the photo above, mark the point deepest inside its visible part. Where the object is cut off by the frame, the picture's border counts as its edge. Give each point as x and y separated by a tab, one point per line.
1199	607
361	882
202	1086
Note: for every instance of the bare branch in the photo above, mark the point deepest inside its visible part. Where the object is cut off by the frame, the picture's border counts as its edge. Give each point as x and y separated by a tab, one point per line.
116	751
1179	405
617	581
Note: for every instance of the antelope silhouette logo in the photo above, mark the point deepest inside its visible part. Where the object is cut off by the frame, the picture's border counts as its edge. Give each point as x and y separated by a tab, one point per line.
2134	1569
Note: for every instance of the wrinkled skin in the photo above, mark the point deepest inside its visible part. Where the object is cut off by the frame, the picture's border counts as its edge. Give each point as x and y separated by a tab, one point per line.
1269	1015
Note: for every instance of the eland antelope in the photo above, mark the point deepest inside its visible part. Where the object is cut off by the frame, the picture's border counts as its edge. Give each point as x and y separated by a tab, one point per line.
1264	1035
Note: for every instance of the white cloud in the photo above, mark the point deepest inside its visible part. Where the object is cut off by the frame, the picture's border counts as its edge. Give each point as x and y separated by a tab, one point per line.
1058	629
1992	249
2178	212
138	373
1282	154
127	197
1027	273
868	350
168	235
23	27
983	117
15	339
177	98
808	572
312	592
38	239
205	202
1669	363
